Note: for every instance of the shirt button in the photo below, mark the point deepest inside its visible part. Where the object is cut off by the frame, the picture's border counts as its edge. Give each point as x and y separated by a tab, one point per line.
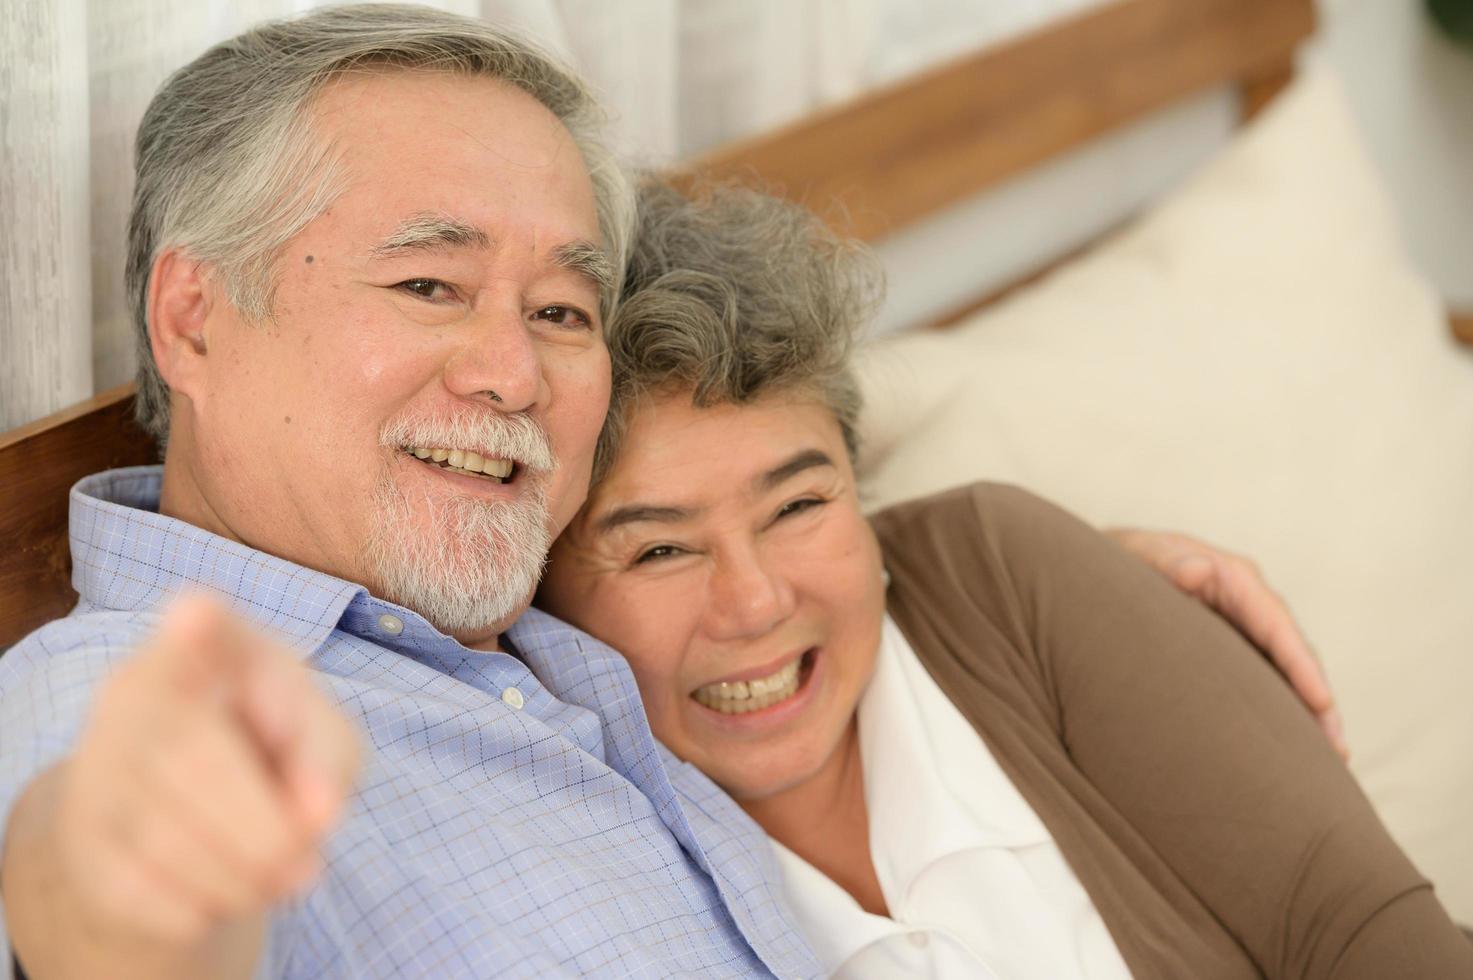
513	698
918	939
391	625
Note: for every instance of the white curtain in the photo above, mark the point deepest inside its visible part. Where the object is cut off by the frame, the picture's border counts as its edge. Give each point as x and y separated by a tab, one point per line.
45	298
678	76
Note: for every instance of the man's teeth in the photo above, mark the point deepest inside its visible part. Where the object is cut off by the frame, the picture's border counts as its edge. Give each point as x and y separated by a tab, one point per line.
467	460
739	697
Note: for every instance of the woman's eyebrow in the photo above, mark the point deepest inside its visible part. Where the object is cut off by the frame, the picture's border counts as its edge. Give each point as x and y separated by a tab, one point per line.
803	459
639	513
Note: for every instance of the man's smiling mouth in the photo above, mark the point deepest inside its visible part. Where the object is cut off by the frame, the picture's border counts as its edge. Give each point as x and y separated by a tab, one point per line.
465	462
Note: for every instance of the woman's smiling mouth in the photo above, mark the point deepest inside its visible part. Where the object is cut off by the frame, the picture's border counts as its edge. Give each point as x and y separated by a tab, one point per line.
742	697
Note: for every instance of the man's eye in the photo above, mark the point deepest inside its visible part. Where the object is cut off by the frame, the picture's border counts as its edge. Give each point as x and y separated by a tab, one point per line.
430	289
656	553
565	316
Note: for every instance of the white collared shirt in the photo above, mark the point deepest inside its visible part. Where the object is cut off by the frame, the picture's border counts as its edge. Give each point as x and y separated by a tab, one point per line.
974	883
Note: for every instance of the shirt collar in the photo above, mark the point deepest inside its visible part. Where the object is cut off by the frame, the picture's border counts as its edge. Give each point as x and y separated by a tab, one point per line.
830	919
932	790
932	787
127	556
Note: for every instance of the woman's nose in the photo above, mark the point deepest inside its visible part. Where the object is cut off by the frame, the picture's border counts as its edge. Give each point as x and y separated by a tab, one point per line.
749	596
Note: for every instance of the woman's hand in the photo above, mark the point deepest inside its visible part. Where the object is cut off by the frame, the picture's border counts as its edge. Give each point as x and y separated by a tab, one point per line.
1233	587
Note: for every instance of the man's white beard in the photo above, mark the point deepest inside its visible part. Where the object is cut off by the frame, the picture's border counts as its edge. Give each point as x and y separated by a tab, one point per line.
462	563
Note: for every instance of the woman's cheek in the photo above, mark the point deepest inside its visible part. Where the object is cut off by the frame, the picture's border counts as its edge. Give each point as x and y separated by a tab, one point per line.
667	637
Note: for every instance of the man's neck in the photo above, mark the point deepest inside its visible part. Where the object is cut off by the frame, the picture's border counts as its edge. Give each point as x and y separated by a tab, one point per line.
181	499
489	644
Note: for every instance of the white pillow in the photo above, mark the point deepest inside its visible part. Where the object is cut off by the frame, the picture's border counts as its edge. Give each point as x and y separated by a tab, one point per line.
1254	362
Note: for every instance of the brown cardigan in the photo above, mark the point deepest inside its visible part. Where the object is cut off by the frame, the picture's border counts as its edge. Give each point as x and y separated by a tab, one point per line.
1217	833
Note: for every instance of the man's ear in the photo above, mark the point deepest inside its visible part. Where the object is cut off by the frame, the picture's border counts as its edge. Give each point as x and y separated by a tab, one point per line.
180	297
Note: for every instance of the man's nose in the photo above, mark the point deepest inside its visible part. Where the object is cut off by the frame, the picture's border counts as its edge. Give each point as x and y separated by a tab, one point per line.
497	354
749	596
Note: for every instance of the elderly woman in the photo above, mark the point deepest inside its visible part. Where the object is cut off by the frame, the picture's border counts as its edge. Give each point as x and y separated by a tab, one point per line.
984	740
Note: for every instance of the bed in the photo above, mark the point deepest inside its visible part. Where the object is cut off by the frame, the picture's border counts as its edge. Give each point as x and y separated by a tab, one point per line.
1252	360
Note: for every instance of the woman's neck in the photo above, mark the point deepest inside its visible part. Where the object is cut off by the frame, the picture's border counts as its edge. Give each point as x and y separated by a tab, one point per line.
824	821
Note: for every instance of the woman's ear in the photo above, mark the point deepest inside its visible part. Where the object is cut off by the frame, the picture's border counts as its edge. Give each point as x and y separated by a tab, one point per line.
179	300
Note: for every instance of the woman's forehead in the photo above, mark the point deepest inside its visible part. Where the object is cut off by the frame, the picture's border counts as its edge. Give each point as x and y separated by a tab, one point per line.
673	431
678	454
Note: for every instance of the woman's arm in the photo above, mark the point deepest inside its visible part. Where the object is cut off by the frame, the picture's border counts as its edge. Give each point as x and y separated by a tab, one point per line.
1197	743
1233	587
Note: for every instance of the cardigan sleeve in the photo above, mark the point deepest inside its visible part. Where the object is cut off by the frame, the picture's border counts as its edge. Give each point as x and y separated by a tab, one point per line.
1193	738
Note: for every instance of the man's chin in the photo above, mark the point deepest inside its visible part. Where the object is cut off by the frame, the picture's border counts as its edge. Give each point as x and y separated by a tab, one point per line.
471	603
468	567
473	624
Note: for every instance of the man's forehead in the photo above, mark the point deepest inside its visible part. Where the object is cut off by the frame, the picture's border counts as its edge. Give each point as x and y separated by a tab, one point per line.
359	106
435	161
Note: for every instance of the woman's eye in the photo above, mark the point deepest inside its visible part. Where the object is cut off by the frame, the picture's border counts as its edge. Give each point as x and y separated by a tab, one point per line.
564	316
656	553
798	506
429	289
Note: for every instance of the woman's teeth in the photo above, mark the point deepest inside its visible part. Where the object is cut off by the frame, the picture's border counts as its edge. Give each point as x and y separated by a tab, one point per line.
740	697
464	461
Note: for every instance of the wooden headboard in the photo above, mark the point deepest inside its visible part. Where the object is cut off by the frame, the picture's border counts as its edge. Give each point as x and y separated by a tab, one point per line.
38	464
901	153
889	159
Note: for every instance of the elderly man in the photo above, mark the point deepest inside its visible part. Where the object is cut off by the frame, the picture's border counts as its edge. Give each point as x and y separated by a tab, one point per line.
370	256
370	253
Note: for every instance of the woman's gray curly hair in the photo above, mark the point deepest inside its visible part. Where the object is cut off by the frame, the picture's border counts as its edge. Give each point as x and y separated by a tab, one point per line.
732	294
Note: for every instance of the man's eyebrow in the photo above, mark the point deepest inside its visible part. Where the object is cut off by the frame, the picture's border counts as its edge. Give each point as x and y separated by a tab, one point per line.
429	233
639	513
804	459
433	232
588	260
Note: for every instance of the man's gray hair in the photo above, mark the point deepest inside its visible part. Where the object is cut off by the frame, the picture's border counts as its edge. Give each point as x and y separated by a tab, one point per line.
732	294
229	167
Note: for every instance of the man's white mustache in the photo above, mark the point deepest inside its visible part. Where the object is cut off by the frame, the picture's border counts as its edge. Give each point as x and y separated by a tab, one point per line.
518	437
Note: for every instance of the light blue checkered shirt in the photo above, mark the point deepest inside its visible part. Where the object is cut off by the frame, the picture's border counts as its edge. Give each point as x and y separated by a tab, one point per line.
484	840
